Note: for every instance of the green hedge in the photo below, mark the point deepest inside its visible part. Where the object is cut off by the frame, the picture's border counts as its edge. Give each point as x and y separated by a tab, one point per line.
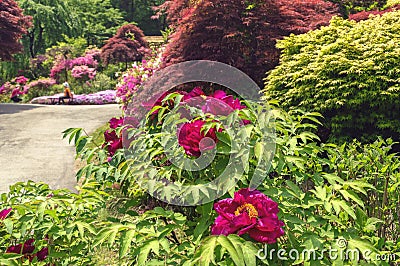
348	71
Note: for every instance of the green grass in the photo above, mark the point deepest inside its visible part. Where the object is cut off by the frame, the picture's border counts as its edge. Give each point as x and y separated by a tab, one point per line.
98	136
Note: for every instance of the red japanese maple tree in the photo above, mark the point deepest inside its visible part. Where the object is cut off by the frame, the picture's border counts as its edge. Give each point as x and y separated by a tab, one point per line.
240	33
363	15
13	25
127	45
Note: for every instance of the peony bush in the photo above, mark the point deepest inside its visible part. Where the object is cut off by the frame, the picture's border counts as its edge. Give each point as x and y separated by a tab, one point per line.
313	195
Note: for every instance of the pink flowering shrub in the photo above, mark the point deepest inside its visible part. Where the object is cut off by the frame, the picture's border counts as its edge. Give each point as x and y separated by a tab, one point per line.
39	87
21	80
15	88
42	83
83	72
68	64
132	79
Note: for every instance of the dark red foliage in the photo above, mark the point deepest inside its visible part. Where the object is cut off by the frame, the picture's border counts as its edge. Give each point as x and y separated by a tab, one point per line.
13	24
363	15
174	10
241	33
127	45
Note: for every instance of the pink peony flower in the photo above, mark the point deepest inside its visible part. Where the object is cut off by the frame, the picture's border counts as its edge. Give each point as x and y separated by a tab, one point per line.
196	92
194	140
4	213
251	212
216	107
222	103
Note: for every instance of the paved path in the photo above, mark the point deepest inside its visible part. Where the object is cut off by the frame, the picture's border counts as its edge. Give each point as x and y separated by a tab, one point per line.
31	144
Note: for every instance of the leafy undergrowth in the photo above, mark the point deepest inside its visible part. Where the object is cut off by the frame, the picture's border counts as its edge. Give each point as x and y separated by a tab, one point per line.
325	193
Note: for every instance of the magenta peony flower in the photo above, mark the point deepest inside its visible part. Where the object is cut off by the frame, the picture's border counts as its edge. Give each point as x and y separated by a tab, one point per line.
196	92
192	138
112	142
27	249
216	107
116	122
251	212
4	213
42	254
228	99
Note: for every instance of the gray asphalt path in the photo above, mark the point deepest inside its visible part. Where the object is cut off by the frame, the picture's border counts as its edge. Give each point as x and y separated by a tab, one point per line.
31	144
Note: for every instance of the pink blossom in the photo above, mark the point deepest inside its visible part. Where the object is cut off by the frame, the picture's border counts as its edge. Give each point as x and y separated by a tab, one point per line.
21	80
83	71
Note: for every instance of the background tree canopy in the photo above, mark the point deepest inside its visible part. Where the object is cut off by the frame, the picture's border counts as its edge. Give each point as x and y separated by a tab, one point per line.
141	12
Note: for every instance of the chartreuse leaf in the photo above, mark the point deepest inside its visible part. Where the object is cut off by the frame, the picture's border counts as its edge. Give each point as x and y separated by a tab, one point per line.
9	225
102	236
365	247
249	253
126	241
337	204
233	246
351	195
206	251
152	245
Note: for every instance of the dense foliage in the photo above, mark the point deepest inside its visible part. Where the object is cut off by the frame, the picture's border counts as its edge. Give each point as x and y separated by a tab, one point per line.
348	72
353	6
324	193
239	33
142	12
55	16
127	45
13	25
366	14
98	20
61	21
320	203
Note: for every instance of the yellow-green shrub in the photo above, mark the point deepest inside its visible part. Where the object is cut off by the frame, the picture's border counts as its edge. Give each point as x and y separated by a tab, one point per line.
348	71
